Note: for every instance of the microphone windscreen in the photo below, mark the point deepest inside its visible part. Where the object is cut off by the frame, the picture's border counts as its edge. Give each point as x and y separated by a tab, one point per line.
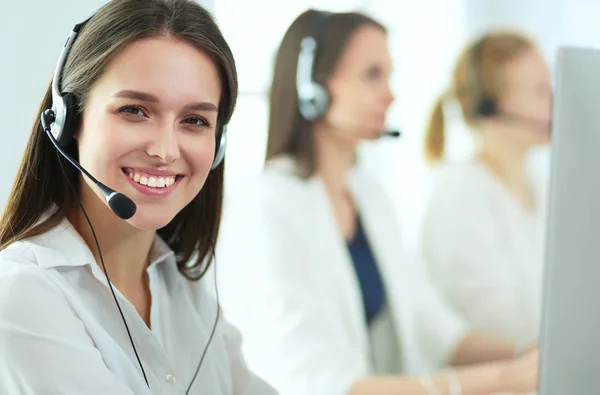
121	205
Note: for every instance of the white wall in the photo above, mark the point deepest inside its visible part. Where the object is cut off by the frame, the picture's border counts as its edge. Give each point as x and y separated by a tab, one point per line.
551	22
32	34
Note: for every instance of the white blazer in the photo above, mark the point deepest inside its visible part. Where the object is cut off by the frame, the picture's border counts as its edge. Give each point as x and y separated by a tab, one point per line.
288	283
485	251
61	332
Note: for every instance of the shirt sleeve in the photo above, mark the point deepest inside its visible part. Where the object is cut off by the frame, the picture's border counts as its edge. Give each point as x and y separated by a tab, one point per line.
44	346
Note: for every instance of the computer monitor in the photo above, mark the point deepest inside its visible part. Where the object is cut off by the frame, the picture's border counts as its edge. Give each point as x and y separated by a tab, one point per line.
570	331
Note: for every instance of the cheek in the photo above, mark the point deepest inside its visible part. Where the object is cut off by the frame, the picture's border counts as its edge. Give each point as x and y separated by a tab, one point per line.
347	107
199	153
106	144
537	107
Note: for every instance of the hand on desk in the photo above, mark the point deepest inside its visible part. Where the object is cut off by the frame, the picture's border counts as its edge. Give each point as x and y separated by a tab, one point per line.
521	374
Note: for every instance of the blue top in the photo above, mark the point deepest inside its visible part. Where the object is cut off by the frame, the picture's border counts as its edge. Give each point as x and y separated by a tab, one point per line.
371	284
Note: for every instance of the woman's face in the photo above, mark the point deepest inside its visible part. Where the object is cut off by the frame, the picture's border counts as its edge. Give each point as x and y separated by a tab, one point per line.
148	127
527	94
359	86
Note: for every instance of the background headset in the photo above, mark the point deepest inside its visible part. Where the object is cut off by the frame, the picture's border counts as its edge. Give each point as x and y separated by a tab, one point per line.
485	106
60	122
313	97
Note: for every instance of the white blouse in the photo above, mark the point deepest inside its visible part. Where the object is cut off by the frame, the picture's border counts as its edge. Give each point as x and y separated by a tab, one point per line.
61	332
290	286
484	251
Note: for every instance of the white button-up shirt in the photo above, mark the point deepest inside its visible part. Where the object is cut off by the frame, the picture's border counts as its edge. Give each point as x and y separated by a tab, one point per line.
61	332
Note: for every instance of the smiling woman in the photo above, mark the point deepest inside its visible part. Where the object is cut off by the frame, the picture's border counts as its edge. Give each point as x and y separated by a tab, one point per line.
141	97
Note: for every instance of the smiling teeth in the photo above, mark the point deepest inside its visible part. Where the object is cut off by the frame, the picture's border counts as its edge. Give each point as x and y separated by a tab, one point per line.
153	182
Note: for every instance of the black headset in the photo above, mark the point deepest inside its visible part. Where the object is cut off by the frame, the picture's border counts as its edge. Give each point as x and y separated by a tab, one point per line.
485	106
60	122
313	97
64	116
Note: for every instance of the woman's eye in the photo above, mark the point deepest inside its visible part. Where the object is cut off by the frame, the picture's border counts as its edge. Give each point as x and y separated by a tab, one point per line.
133	110
373	73
197	121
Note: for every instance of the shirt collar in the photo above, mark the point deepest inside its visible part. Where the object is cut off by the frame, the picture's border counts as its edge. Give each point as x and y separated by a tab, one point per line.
160	252
63	246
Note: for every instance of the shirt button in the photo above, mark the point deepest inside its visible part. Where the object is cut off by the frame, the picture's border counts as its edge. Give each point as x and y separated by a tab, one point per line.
170	378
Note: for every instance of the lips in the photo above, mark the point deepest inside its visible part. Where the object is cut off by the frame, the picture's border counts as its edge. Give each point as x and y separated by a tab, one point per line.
153	179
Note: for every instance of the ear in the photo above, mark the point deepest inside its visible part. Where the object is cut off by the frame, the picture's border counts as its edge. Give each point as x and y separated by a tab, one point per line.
332	81
79	128
332	84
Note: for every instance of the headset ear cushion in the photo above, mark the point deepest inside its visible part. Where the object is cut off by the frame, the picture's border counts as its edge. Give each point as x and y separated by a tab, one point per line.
71	123
314	101
486	108
220	148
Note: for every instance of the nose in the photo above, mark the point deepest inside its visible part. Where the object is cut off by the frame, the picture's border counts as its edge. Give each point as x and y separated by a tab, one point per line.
164	145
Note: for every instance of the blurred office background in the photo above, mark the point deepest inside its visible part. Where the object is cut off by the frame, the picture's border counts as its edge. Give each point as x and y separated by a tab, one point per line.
425	38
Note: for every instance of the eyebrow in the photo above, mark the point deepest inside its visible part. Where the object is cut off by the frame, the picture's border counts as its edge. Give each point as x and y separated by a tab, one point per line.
150	98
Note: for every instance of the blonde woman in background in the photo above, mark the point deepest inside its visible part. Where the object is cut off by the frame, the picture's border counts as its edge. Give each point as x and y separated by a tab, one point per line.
482	236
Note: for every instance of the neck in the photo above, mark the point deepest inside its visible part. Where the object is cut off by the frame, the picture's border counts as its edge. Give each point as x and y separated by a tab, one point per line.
125	249
335	155
507	163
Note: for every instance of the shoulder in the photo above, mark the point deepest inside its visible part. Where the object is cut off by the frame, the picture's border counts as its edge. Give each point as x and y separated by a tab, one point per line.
18	260
58	246
27	261
28	265
28	294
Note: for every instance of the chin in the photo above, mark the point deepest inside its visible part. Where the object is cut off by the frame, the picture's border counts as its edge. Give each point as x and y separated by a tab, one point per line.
149	219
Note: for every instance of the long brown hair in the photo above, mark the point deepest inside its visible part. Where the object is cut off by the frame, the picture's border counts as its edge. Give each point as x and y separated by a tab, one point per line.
40	184
289	132
474	76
